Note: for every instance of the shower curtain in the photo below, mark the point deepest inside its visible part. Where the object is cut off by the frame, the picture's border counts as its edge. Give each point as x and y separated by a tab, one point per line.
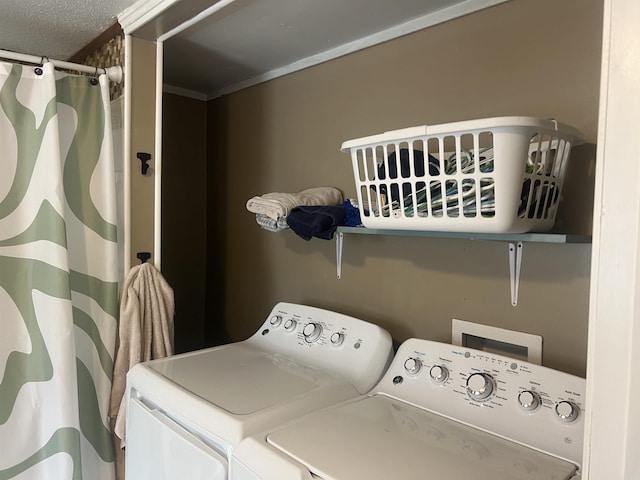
58	275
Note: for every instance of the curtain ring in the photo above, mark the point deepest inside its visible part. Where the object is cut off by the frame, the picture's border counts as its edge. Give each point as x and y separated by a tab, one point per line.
94	79
38	71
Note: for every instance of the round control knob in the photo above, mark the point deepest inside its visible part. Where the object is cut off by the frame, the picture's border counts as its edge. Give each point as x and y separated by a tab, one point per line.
337	339
412	365
290	324
479	386
276	320
439	374
567	411
529	400
312	332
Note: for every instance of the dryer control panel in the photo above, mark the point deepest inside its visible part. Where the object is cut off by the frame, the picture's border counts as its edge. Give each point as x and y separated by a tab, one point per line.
349	347
527	403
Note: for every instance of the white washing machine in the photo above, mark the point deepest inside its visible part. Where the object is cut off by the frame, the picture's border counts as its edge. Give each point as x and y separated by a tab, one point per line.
186	413
440	412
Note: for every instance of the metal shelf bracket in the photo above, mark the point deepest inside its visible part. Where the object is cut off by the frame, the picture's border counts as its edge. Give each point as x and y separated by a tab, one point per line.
339	243
515	263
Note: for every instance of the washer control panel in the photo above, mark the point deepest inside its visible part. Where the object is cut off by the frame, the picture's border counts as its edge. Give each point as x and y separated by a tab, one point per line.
338	343
527	403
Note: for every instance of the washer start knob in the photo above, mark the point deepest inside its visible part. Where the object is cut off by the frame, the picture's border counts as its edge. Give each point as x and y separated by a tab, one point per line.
479	386
312	332
567	411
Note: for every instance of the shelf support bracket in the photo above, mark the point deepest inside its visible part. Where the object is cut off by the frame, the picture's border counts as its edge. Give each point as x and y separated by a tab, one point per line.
515	262
339	243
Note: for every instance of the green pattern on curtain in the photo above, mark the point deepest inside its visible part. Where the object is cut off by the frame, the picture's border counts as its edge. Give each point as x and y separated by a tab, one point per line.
58	275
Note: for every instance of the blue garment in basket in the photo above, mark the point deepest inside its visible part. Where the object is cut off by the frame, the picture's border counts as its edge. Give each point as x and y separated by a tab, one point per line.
405	171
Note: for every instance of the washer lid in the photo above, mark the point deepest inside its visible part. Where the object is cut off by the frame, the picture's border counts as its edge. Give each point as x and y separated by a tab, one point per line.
241	379
349	441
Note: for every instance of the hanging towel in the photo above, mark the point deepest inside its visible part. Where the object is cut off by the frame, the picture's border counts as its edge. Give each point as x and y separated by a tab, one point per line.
145	331
277	205
316	221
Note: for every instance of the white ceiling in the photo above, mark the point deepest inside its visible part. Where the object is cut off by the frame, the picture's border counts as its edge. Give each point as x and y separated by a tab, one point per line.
235	43
249	41
56	29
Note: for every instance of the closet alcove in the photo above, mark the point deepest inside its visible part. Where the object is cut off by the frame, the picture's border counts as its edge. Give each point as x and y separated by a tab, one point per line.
519	57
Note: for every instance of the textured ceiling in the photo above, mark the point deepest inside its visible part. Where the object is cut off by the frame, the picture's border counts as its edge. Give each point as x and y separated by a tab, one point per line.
55	28
236	44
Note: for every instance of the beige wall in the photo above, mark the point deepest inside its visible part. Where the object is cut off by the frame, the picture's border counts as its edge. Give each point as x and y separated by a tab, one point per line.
184	225
523	57
143	79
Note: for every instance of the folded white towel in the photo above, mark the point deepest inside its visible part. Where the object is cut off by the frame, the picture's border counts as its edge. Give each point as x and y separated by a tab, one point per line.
276	205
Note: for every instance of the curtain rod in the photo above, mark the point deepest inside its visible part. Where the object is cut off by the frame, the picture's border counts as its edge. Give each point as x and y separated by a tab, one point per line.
113	73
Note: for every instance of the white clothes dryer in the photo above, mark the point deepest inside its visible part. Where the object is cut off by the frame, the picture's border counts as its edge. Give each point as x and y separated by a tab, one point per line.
440	412
186	413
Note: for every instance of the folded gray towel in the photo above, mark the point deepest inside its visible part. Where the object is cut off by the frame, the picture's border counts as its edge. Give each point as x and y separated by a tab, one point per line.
270	224
276	205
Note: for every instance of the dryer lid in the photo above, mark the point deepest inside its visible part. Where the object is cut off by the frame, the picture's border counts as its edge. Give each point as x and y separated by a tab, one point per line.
351	440
241	379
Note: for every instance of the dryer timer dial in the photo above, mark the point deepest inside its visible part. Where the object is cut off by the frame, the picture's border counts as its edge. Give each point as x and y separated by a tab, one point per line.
312	332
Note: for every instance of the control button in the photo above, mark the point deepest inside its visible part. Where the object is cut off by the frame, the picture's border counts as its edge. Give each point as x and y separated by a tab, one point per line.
480	386
290	324
276	320
337	339
529	400
412	365
439	374
312	332
567	411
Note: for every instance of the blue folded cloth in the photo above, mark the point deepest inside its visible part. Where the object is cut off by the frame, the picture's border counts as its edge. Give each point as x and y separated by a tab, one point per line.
352	218
316	221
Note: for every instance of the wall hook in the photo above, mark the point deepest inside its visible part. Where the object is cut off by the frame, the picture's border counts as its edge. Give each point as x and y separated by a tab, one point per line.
143	256
144	158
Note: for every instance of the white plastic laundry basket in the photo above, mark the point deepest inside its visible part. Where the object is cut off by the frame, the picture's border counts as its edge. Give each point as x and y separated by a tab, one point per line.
494	175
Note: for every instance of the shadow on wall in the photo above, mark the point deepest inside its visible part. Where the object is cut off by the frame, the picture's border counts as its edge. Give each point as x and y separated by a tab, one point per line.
575	211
